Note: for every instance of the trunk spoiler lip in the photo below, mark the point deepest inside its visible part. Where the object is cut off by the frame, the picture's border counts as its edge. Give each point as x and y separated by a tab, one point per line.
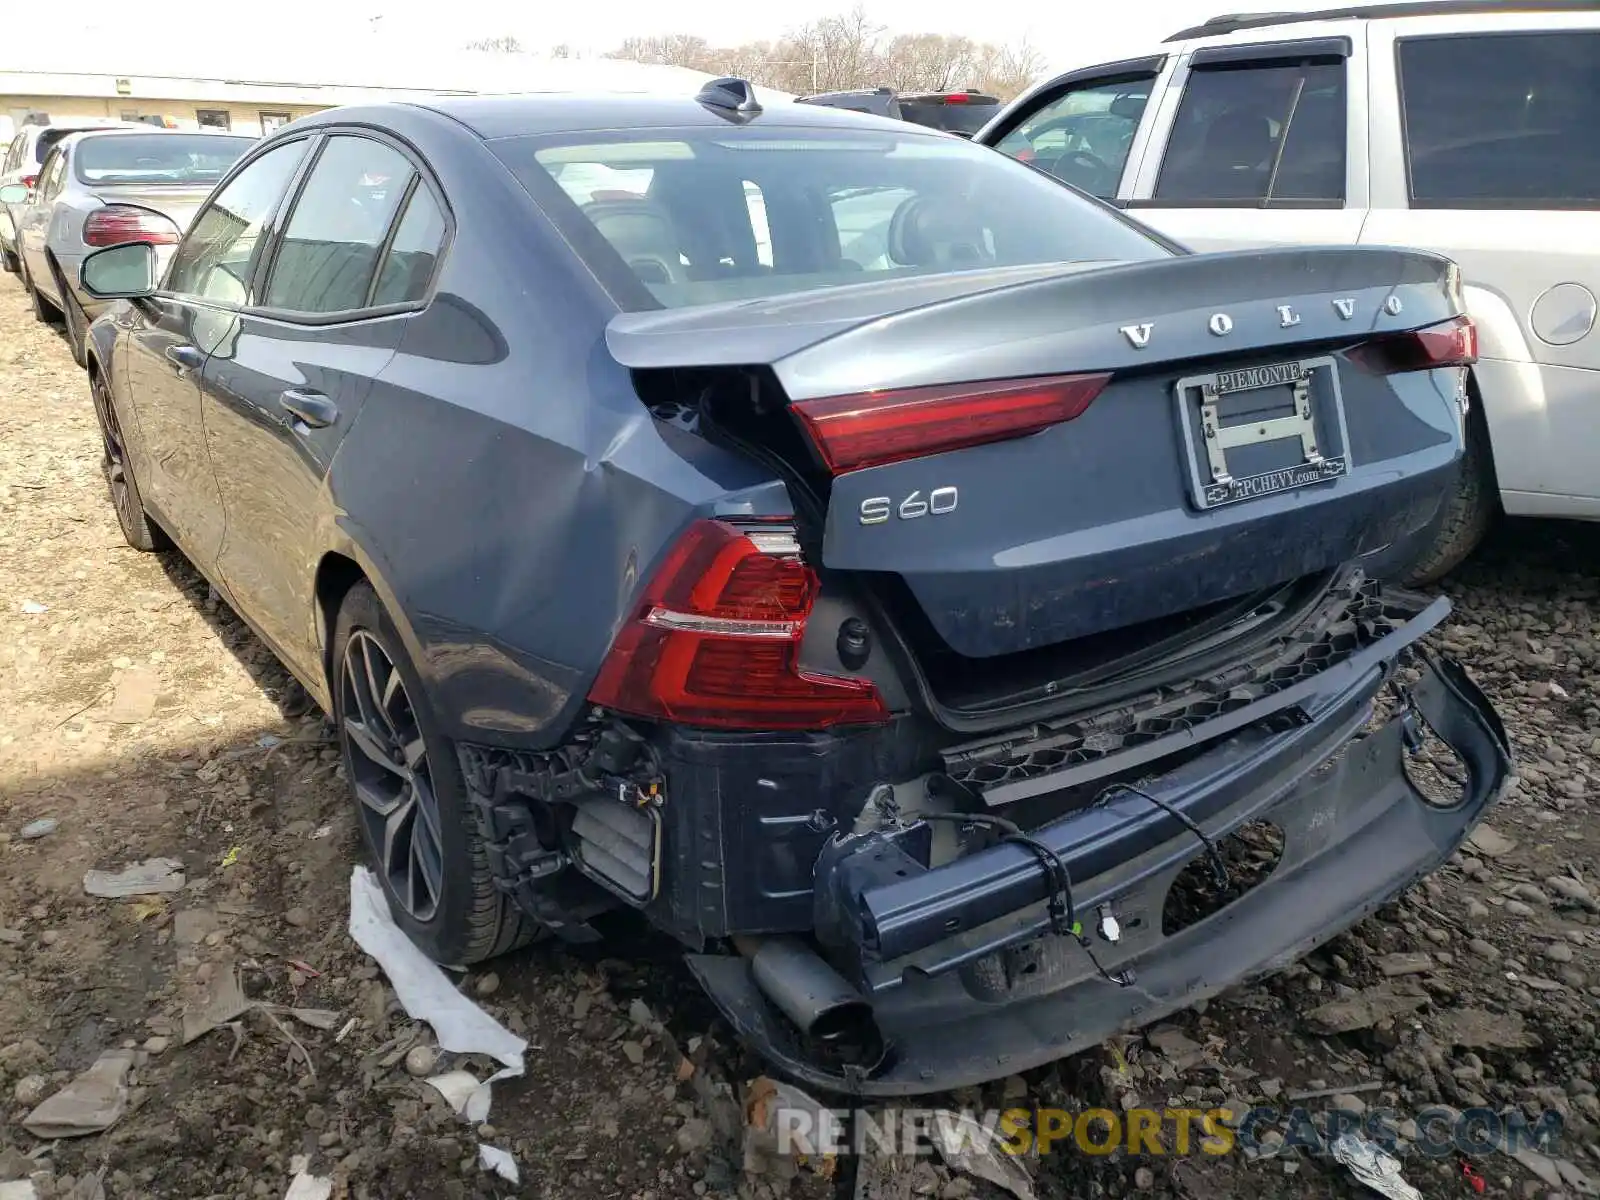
770	331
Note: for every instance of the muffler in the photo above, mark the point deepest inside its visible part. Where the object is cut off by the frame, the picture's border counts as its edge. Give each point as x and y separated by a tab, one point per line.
815	997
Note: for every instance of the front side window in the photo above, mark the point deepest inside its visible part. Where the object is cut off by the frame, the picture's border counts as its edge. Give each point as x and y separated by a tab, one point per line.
1502	120
154	159
1257	133
1084	135
217	257
330	247
678	209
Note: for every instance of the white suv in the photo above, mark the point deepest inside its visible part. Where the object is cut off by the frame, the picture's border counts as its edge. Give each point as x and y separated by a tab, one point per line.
1467	127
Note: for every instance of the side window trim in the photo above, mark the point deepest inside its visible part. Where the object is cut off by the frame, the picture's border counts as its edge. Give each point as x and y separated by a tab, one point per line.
388	239
238	169
1166	122
419	173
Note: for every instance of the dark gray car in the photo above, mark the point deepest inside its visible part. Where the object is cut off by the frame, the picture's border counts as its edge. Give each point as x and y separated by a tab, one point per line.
914	636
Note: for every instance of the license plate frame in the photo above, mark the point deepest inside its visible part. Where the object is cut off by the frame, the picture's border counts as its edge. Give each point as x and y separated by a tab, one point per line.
1318	418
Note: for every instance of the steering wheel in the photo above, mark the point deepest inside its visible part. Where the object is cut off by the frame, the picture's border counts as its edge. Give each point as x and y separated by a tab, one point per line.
1092	169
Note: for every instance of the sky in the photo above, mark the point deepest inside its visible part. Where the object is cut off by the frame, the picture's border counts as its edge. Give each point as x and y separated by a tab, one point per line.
1067	34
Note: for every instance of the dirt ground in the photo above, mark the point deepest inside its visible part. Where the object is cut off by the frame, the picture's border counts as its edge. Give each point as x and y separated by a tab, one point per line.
143	719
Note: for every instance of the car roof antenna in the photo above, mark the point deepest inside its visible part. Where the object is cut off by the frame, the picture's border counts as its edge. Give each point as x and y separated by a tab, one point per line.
731	97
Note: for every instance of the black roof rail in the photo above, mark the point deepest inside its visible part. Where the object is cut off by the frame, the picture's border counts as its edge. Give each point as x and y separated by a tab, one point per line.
1234	22
731	97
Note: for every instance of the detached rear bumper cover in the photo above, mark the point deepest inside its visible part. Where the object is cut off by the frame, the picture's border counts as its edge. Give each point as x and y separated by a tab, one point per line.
1356	833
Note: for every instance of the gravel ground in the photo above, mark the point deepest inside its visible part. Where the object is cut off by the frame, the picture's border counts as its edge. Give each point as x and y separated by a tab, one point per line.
145	720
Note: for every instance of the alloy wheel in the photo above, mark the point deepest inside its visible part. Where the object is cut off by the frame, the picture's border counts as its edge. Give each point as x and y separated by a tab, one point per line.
388	765
115	462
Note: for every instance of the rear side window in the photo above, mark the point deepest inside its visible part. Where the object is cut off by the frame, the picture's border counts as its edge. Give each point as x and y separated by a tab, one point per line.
1502	120
1258	134
331	245
957	114
409	265
699	216
13	158
1084	135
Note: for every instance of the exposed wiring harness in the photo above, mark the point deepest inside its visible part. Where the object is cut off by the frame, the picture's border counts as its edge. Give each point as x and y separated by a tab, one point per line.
1219	866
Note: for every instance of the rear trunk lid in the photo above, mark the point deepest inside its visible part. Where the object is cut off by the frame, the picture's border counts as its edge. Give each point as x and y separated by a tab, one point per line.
177	202
1256	420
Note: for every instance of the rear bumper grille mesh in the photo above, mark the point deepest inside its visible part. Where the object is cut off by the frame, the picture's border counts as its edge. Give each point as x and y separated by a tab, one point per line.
1356	613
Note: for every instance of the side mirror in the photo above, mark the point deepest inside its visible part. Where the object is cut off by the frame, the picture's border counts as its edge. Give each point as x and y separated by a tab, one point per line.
15	193
125	272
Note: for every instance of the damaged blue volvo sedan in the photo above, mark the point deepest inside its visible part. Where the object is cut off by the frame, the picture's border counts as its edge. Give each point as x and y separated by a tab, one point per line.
949	610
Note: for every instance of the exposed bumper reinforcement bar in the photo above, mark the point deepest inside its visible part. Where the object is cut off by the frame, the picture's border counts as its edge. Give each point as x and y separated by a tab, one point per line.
1356	832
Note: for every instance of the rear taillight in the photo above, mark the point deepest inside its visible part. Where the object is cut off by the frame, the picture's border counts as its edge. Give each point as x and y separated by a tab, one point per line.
1452	343
957	98
874	428
118	223
716	640
30	181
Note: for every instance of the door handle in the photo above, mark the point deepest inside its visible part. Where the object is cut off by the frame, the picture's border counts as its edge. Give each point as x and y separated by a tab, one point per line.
185	359
315	409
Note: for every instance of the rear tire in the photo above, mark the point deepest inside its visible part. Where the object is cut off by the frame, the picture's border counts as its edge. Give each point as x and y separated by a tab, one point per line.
77	323
8	262
43	311
1466	514
417	821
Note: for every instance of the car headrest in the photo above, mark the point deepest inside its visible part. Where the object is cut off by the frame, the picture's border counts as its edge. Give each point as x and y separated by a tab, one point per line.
642	233
929	232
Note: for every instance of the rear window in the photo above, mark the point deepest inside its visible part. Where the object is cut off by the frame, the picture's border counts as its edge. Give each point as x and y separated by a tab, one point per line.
689	217
157	158
46	141
959	116
1502	120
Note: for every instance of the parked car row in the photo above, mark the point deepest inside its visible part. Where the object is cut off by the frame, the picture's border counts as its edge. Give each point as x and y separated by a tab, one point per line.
105	186
884	568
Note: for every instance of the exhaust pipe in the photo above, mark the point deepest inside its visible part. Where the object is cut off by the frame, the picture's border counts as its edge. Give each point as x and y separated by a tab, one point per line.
815	997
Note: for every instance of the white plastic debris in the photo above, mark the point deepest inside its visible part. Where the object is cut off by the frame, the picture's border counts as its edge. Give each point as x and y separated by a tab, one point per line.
34	830
500	1162
1373	1167
22	1189
309	1187
457	1088
148	878
427	994
971	1148
32	608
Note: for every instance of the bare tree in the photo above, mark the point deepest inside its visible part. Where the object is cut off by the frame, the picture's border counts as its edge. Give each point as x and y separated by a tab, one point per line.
1008	70
504	44
848	51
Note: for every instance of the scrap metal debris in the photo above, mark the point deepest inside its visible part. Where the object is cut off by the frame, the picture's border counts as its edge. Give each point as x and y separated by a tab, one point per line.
149	878
92	1102
1374	1168
427	994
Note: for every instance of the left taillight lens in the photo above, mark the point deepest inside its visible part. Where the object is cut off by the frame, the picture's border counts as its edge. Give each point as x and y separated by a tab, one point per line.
715	641
119	223
1452	343
876	428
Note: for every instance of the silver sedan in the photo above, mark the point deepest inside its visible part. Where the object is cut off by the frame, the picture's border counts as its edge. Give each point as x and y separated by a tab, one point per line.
103	187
